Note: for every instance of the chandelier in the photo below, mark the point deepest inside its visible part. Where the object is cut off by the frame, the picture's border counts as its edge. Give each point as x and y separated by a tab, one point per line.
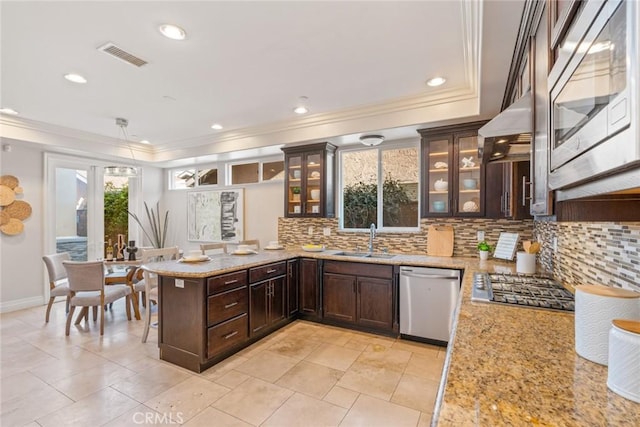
125	171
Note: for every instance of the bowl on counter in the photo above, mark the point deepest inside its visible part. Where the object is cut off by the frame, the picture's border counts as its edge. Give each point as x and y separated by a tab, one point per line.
470	184
439	206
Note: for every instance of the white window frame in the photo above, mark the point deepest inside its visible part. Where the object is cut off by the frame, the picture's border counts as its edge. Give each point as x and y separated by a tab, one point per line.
392	145
197	168
261	161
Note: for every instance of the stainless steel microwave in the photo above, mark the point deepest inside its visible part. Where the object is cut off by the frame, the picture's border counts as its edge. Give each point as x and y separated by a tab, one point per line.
594	95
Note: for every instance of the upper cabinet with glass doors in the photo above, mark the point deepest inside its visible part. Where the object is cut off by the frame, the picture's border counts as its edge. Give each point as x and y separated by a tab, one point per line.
452	176
309	180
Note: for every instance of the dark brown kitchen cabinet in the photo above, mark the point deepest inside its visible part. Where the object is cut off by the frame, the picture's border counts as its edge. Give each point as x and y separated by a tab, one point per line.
292	287
358	294
267	291
452	175
309	180
507	190
309	288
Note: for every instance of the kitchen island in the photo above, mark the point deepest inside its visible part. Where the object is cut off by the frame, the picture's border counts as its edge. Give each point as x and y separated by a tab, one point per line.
504	365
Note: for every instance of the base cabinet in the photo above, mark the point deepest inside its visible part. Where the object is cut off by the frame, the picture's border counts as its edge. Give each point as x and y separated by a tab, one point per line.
292	287
267	304
309	289
359	294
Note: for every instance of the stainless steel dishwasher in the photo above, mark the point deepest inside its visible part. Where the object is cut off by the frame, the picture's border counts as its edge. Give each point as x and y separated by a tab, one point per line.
428	298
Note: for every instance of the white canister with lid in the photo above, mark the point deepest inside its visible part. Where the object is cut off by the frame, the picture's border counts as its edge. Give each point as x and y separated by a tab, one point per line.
623	376
596	307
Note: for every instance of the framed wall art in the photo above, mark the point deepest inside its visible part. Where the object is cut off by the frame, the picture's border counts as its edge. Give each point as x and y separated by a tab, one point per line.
215	216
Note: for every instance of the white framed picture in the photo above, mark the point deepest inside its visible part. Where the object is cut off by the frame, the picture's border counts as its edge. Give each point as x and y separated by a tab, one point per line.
216	215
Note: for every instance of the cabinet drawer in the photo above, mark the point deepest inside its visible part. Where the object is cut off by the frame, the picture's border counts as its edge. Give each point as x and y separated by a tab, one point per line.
225	282
259	274
359	269
226	305
226	335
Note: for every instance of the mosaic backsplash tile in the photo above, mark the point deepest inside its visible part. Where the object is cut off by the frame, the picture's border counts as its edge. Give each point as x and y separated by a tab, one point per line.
294	232
604	253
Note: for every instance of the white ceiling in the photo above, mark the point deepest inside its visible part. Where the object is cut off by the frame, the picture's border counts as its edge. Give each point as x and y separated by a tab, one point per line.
362	65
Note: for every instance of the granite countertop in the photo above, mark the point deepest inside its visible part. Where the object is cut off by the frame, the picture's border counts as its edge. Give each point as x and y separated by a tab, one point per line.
504	366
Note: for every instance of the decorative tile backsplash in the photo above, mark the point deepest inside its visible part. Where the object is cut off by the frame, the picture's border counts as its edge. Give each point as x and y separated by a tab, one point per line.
605	253
294	232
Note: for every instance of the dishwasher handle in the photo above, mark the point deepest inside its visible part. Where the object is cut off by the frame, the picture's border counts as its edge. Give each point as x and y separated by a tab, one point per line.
428	276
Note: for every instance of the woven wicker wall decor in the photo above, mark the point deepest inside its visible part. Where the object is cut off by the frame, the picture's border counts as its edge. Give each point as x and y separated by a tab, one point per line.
12	212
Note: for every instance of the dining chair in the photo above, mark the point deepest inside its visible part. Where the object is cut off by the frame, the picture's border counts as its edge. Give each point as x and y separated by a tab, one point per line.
253	244
87	289
150	280
58	283
213	248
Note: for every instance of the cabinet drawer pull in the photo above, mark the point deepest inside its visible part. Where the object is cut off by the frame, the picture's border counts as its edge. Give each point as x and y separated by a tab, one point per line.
228	282
232	334
231	305
271	270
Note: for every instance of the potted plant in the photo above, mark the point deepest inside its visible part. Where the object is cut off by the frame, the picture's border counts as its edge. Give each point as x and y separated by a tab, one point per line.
296	194
483	250
157	232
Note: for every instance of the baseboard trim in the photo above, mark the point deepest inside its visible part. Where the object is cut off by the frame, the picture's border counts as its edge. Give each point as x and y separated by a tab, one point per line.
19	304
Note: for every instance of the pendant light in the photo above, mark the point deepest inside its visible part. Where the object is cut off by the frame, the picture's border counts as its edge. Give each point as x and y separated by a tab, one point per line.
125	171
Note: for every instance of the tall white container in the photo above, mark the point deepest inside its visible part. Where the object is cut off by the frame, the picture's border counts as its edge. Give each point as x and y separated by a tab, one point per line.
596	307
624	359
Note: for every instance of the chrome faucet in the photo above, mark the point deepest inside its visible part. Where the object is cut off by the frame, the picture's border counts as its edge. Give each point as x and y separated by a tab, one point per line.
372	234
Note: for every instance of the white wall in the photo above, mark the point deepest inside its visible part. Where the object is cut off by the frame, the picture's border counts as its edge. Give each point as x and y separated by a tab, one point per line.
263	204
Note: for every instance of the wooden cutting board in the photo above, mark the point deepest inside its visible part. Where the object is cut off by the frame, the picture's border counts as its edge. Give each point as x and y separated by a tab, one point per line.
440	240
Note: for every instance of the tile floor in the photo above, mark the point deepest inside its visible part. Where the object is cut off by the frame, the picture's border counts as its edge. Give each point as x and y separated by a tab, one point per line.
303	375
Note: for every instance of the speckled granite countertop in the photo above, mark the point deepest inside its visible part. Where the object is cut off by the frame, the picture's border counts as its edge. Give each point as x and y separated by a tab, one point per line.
505	365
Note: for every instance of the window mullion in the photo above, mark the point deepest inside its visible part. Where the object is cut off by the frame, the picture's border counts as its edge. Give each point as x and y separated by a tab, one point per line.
380	209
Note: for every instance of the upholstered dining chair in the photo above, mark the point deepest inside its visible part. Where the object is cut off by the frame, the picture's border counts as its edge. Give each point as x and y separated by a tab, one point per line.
213	248
87	289
58	286
150	280
253	244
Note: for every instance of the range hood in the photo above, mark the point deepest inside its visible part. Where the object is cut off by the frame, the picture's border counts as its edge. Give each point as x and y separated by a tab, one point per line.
507	137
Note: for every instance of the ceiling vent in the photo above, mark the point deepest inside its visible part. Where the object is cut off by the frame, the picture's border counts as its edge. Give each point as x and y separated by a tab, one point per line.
122	55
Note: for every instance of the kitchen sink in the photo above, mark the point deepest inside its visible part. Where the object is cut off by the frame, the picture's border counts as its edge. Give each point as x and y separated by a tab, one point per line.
365	254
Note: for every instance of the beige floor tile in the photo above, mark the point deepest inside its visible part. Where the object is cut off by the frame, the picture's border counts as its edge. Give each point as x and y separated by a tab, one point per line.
425	420
213	417
333	356
96	409
253	401
294	347
332	335
417	393
417	347
142	415
150	383
375	381
21	357
428	367
89	381
304	411
371	412
75	361
310	378
232	379
383	357
26	397
267	366
220	369
188	398
301	329
341	396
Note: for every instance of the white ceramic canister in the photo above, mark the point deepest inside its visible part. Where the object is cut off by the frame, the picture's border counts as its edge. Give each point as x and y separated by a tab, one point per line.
623	375
596	307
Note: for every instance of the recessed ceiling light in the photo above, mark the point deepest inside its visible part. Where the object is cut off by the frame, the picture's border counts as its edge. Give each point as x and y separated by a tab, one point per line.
11	111
216	126
172	31
144	141
301	110
75	78
436	81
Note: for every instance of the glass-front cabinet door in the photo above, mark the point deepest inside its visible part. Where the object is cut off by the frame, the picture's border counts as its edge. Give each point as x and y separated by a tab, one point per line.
439	159
309	180
468	176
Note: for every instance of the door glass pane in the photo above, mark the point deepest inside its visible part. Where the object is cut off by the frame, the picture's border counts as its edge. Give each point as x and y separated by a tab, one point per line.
294	204
438	176
468	175
116	217
400	187
313	183
71	212
360	188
